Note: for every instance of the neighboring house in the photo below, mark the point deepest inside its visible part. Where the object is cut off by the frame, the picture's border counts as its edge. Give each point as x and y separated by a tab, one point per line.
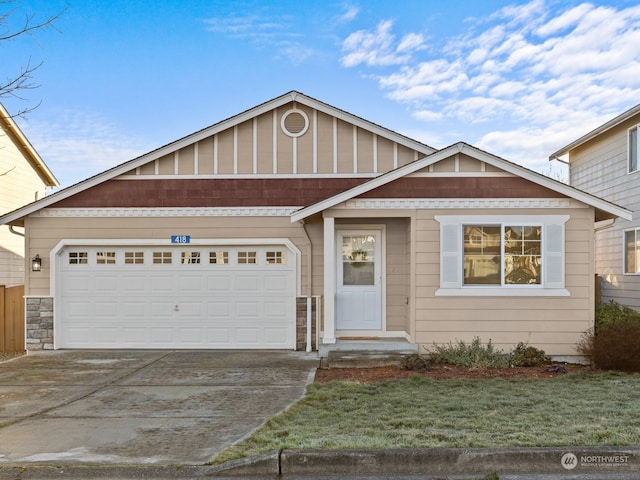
216	241
23	179
605	162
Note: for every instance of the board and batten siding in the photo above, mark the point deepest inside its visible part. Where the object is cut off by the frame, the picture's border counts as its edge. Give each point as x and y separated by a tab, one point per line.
554	324
600	167
259	146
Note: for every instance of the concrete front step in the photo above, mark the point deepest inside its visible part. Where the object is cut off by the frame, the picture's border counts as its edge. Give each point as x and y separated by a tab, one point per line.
363	359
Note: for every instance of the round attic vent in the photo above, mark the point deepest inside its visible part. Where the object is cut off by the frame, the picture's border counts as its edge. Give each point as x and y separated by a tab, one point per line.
295	123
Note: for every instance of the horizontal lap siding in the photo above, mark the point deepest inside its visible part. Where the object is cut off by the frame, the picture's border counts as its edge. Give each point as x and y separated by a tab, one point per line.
554	324
600	167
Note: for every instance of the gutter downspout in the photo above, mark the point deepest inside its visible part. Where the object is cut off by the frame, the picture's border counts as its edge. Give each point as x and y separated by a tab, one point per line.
309	280
602	224
15	232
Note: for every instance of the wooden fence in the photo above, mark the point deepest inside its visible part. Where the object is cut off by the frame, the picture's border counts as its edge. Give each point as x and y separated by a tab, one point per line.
12	319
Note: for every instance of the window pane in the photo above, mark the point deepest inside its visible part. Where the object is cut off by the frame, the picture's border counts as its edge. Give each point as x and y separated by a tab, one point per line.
633	149
133	258
358	273
523	257
78	258
246	257
275	257
161	257
632	252
190	257
358	259
482	257
219	257
103	258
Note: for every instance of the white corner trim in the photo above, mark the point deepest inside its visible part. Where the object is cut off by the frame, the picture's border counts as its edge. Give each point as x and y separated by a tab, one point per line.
168	212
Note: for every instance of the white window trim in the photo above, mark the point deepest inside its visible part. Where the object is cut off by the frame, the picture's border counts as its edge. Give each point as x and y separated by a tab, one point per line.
637	129
451	258
624	249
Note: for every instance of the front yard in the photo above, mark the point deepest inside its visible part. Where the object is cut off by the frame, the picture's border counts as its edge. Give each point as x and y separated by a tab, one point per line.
576	409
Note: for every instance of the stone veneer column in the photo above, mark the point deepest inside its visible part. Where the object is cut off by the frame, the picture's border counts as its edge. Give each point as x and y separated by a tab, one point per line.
301	323
39	311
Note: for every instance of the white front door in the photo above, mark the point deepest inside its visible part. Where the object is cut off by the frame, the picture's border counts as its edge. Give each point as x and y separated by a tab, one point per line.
359	280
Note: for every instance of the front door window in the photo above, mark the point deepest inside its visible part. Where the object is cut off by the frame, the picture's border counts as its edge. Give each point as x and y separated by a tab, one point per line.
358	259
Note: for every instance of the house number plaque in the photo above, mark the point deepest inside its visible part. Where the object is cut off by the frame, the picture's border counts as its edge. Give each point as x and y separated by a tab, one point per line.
181	239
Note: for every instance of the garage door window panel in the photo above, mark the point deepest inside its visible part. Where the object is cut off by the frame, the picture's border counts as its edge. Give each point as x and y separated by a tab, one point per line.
190	258
276	258
78	258
247	257
219	258
134	258
161	258
106	258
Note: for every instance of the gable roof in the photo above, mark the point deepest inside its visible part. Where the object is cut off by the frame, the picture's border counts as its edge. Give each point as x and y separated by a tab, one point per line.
293	96
478	154
623	117
32	156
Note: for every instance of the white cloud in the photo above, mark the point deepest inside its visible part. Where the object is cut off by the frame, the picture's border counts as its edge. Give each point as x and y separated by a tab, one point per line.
350	13
82	142
379	48
427	115
517	75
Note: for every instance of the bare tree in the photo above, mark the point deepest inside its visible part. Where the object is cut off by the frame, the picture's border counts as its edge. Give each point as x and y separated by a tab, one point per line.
11	28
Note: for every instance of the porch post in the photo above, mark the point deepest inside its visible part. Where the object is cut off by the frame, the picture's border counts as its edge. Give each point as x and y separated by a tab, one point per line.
329	281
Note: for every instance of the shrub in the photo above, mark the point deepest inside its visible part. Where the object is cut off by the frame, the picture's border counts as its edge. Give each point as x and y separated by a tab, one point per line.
527	356
608	313
473	355
614	342
615	346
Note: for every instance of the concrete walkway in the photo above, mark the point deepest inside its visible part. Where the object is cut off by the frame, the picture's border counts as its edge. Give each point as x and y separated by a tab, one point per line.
141	407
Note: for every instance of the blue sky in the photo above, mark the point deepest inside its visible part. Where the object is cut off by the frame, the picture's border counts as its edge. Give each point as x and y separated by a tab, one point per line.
519	79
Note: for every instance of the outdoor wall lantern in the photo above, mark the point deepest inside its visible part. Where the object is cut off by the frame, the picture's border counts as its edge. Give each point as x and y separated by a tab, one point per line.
36	263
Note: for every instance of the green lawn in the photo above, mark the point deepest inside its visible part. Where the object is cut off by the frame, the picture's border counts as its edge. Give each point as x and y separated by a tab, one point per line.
575	409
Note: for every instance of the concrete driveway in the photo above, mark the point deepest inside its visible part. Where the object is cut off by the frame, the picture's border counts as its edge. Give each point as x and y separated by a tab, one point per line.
141	407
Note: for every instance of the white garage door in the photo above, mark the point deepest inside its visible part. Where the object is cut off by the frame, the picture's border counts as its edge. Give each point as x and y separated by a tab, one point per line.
176	297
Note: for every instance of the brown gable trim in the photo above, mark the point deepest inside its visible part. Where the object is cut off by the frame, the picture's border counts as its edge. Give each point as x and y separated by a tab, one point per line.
462	187
208	192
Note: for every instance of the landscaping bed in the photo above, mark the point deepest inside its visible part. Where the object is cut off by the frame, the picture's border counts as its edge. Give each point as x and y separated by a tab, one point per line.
445	371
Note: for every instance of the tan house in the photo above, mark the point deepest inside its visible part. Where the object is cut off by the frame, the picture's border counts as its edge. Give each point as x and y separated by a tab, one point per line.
605	162
24	178
218	239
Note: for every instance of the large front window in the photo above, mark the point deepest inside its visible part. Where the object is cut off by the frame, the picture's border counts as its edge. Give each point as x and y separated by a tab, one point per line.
502	254
632	251
498	255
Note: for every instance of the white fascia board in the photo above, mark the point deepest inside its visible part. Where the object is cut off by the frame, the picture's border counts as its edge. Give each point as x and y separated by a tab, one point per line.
36	160
598	131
